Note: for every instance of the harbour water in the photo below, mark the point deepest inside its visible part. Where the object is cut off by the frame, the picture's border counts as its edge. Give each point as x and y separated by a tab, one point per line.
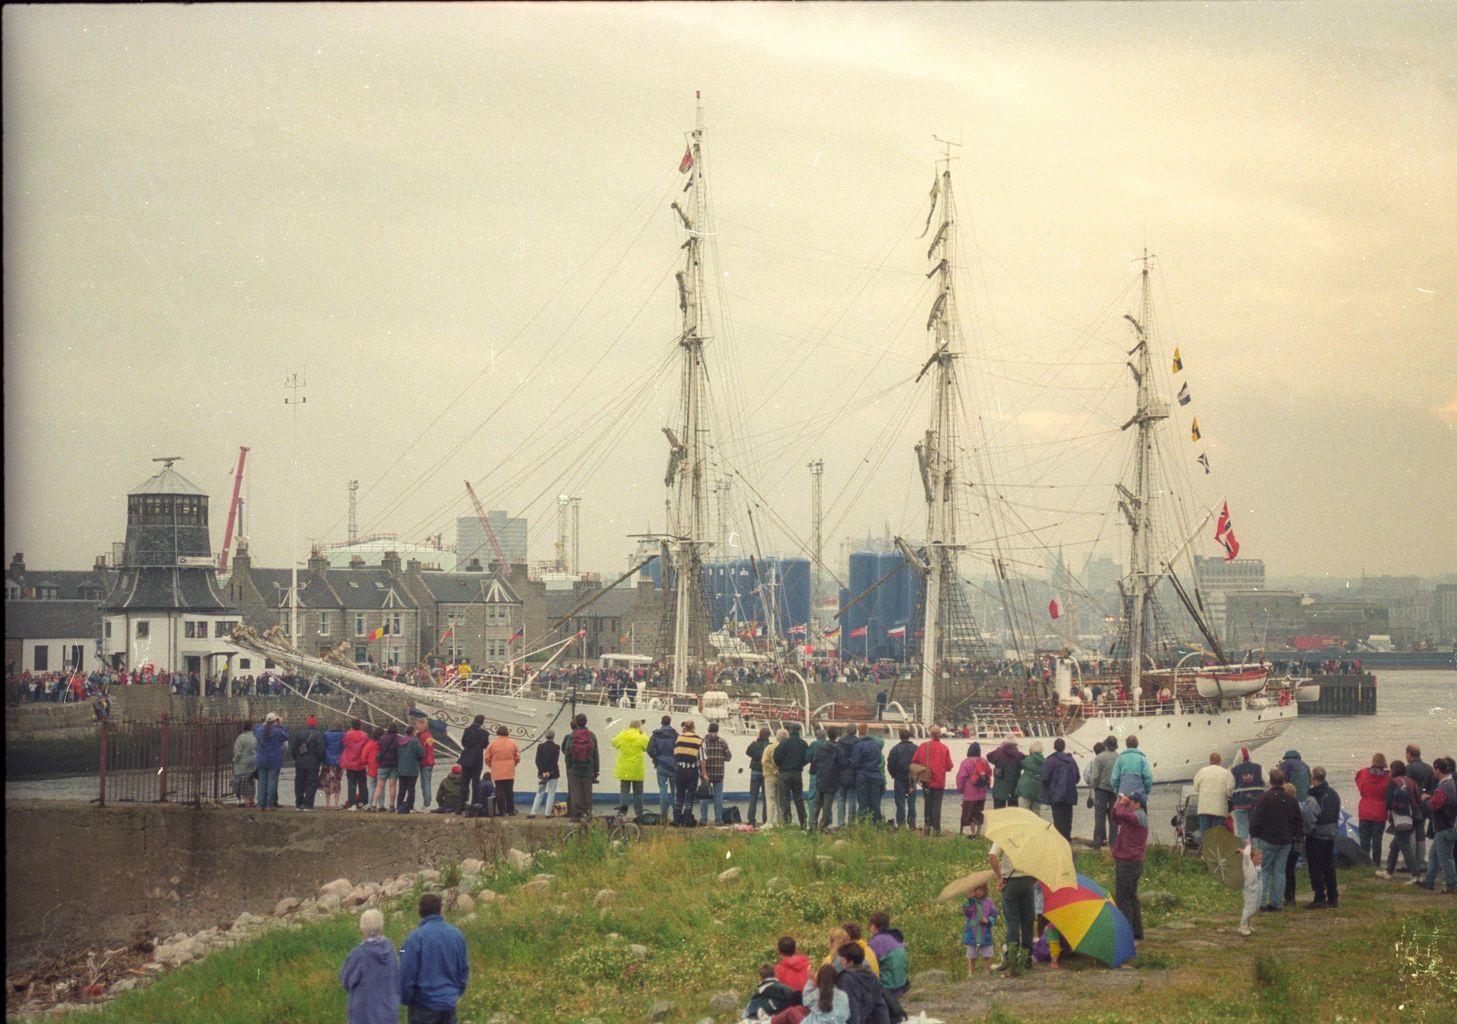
1414	706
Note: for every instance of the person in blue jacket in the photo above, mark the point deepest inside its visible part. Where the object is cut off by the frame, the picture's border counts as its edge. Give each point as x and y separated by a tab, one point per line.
434	969
371	975
272	739
1060	786
1133	764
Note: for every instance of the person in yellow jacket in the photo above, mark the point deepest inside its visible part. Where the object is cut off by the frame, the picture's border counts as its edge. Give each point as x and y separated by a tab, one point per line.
771	782
630	743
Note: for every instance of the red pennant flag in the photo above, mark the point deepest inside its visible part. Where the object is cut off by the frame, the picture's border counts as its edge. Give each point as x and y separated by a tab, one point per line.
1231	546
1223	523
857	633
1052	608
686	164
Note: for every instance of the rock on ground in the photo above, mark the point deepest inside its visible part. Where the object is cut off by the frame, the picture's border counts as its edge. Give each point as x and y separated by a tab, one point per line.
464	904
730	874
339	887
540	887
777	884
638	950
518	859
661	1010
286	906
604	897
723	1002
472	866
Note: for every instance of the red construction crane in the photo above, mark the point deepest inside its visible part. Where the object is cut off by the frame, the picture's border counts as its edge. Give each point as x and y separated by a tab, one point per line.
232	511
501	558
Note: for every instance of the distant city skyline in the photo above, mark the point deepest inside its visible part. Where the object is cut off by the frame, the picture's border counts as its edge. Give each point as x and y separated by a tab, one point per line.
454	222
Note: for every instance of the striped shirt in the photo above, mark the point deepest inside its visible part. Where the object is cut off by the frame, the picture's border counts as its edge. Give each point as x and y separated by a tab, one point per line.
685	751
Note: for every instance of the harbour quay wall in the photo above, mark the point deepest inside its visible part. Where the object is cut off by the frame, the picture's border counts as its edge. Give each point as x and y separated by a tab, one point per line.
79	877
1344	695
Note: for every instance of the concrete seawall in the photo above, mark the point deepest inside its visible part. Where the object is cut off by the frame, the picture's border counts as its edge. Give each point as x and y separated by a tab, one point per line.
80	877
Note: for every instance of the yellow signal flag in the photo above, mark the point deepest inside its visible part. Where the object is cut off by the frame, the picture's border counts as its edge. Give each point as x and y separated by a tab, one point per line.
1194	431
1178	362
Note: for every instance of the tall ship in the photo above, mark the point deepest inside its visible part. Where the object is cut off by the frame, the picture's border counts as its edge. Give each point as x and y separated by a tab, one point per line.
1145	687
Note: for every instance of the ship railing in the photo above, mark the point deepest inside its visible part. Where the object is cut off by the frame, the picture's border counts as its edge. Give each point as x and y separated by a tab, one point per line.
758	709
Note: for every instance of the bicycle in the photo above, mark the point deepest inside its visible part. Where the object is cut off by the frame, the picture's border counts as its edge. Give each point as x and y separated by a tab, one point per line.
618	826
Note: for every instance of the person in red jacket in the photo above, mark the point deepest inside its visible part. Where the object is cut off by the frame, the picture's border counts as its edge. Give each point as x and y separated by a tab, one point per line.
1371	811
427	762
936	757
371	767
351	759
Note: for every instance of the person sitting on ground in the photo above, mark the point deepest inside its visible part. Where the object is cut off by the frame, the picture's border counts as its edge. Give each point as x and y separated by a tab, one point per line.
447	796
770	996
868	1004
1052	939
793	966
824	1002
980	912
889	947
371	975
852	931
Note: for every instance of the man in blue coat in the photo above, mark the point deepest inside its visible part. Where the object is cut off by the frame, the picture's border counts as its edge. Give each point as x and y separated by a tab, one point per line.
1134	765
1060	786
434	969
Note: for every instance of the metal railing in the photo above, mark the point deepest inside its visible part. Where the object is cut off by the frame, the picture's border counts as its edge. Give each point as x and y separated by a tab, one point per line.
181	761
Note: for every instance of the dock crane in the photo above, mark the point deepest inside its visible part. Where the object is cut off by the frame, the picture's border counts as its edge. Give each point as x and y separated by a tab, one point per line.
232	510
501	558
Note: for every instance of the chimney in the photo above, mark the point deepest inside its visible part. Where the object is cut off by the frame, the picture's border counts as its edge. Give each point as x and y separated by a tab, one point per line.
17	564
357	562
242	561
413	567
474	565
390	563
318	564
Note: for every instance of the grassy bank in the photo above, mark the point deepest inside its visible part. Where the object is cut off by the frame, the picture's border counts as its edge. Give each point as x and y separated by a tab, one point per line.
559	958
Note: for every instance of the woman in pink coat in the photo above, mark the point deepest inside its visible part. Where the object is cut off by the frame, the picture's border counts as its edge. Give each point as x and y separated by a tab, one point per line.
502	757
972	780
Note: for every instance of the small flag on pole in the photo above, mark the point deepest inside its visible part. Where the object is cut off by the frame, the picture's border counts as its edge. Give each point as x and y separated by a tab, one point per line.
581	633
1184	397
897	631
1194	430
833	631
1223	524
796	630
686	164
376	633
448	633
1053	609
1178	362
856	634
1231	546
521	633
1204	461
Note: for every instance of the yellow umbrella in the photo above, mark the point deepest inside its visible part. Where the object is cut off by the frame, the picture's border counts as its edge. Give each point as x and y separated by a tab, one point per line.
966	883
1034	846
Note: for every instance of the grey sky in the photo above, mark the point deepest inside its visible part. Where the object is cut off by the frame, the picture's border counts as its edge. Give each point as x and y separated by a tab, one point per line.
401	201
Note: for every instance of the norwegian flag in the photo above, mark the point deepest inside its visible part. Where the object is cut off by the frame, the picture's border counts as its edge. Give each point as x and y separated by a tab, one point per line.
1231	546
1223	524
686	164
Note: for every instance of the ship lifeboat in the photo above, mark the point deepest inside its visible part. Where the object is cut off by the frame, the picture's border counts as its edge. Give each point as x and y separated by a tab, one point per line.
1307	694
1213	685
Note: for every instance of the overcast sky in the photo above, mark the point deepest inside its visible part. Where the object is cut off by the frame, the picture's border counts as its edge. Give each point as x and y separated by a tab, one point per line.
454	222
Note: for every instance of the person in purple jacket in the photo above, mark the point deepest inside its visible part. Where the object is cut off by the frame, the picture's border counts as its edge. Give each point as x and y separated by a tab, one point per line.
371	975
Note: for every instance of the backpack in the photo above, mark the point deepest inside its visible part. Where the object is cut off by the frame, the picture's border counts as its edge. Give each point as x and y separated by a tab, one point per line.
919	773
980	775
582	747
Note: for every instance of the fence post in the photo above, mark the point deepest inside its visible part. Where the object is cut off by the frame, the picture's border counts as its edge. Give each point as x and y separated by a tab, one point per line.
162	771
197	762
101	796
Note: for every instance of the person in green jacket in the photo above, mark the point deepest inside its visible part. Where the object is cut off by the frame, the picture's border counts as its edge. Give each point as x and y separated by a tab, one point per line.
411	751
1029	782
630	743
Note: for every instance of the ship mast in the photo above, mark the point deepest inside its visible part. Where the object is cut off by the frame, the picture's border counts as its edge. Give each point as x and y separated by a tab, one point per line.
936	454
1137	505
687	525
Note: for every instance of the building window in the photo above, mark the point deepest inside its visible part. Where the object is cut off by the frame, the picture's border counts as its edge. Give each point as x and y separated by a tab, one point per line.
455	616
223	627
358	625
323	623
106	629
394	624
394	655
144	630
192	630
454	650
42	658
245	663
361	654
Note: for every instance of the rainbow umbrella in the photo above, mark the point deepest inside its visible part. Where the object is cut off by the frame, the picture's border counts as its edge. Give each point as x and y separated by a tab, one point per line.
1088	920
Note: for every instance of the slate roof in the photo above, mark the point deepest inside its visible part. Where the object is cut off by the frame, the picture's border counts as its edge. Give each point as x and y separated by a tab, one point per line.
162	588
353	589
49	620
614	603
465	587
168	481
68	582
